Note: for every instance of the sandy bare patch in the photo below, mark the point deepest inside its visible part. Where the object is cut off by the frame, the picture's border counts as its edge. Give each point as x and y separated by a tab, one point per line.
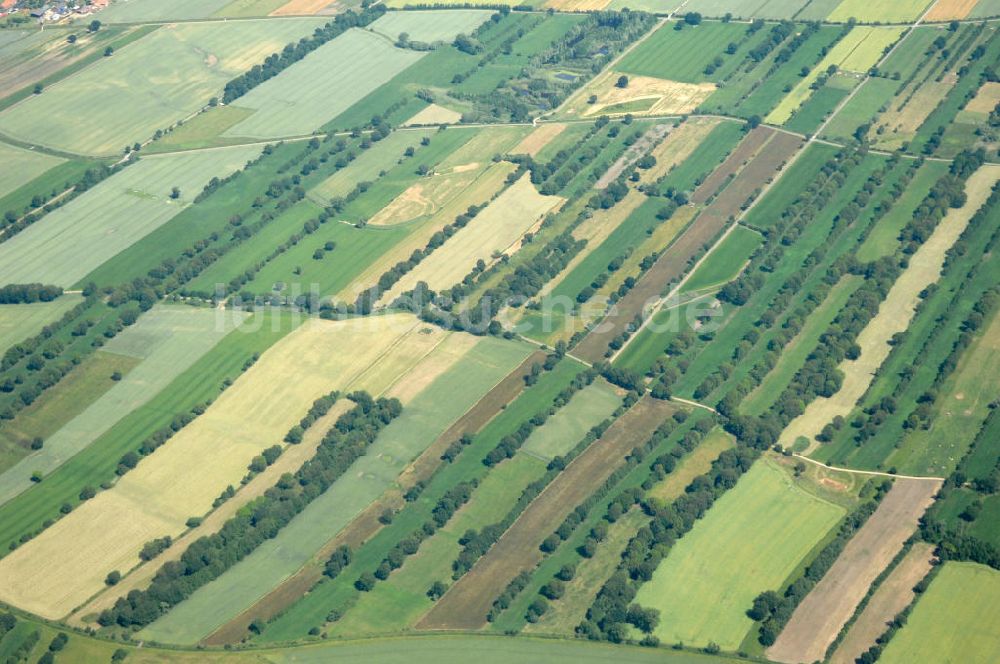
425	197
818	619
666	96
434	115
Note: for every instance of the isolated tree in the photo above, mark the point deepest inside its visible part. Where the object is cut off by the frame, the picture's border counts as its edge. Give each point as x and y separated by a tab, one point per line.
622	81
37	443
113	577
109	51
436	590
71	39
175	193
692	18
38	88
94	26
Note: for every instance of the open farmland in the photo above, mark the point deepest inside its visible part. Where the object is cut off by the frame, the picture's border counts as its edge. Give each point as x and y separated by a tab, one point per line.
884	11
467	602
367	166
749	541
430	27
152	501
953	620
20	321
563	430
22	166
149	85
342	331
894	315
166	342
138	11
309	95
428	413
859	51
821	615
121	210
494	231
893	595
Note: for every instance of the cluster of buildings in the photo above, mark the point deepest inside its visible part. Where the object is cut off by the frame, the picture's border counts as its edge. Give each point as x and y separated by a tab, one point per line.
52	12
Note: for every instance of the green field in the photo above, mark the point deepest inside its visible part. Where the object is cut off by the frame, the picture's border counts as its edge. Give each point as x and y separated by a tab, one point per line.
433	26
884	238
368	165
57	407
397	604
794	355
885	11
953	621
22	166
710	153
774	9
69	242
97	462
168	340
148	85
814	111
424	418
682	55
139	11
726	262
564	430
862	107
749	541
20	321
427	649
313	608
305	97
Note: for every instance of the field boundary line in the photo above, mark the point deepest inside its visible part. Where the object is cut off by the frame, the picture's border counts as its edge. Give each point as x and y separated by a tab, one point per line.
722	238
875	473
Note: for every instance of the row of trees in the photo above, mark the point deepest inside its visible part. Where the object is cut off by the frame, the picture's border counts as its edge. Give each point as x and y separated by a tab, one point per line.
210	556
275	63
773	610
28	293
613	608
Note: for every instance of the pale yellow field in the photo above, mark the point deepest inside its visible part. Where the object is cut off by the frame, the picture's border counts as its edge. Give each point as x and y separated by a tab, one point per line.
426	196
409	365
986	99
859	51
302	7
67	563
678	146
485	187
495	229
894	315
434	115
577	5
538	139
291	459
900	124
